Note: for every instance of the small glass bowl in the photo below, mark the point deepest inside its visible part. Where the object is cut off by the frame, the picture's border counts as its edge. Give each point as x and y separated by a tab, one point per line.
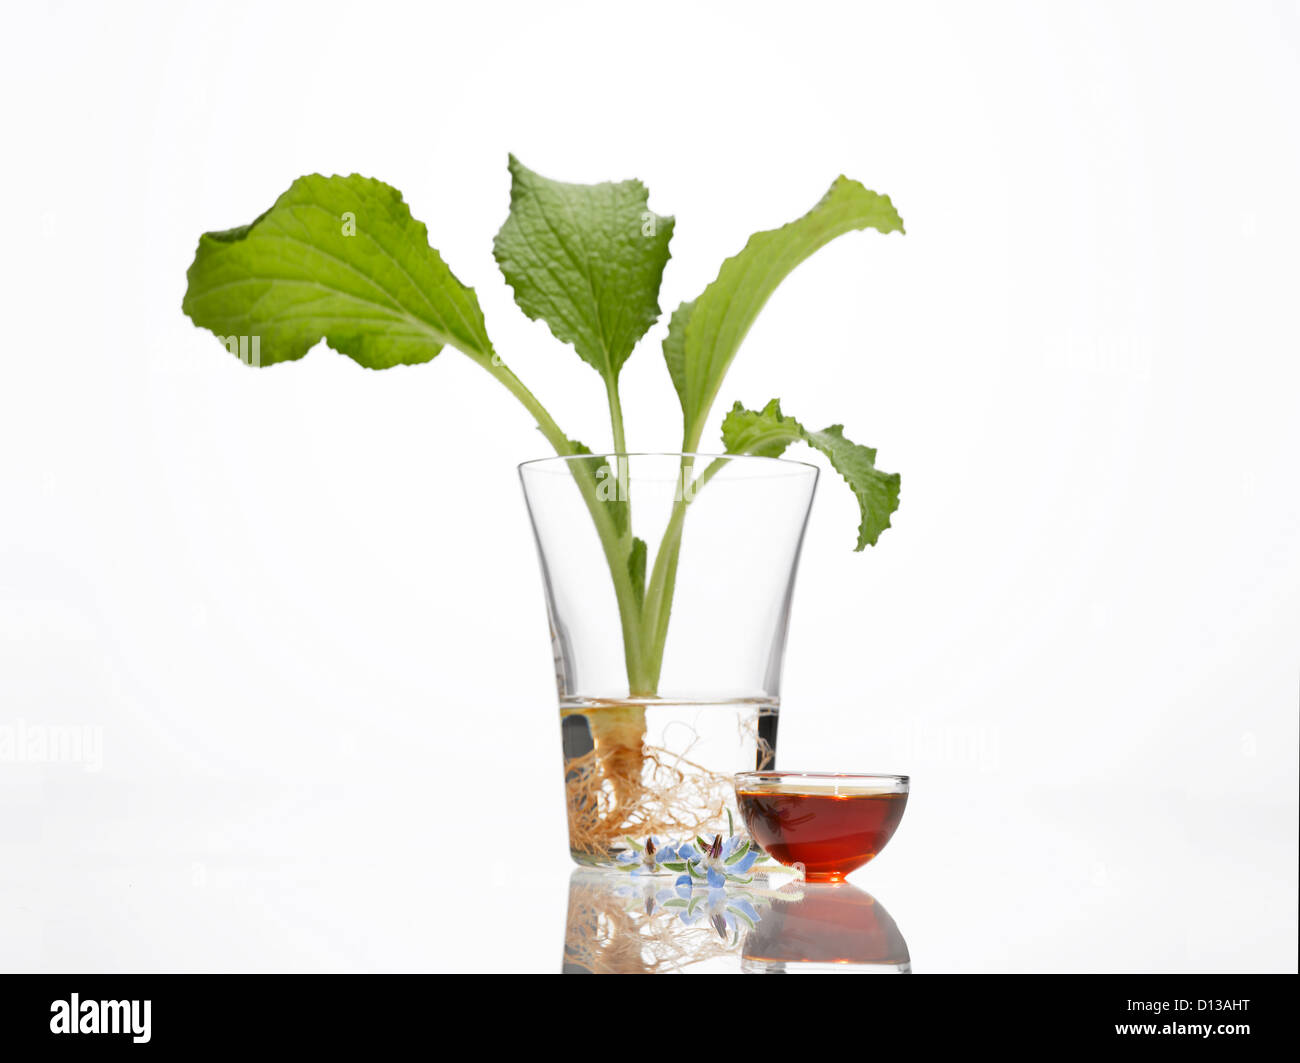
827	823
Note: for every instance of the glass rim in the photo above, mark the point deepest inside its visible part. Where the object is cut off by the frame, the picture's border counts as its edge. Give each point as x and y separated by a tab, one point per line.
850	776
563	459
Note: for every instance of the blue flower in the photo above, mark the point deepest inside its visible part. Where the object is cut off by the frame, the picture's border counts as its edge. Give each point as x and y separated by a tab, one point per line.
713	864
649	860
722	861
669	853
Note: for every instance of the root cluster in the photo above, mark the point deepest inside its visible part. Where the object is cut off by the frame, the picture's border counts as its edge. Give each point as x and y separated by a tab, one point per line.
624	792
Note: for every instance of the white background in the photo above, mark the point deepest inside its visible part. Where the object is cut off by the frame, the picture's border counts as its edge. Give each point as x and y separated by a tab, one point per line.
302	603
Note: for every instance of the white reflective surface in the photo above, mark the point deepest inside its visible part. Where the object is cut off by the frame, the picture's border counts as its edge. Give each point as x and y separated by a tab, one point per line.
101	875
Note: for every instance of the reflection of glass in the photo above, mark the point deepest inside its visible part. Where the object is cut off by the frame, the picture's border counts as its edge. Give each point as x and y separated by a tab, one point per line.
624	924
822	928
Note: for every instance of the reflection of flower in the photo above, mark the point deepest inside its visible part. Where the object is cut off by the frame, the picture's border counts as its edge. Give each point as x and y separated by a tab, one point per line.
652	897
724	910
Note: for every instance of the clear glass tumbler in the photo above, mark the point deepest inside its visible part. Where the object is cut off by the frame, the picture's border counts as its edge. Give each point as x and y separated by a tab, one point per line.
668	582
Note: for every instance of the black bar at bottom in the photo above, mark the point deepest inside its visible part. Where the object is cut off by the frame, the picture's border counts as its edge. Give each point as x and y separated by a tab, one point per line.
372	1012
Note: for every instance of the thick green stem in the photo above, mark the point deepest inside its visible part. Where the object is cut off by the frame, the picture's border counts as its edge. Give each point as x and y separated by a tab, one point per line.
644	623
630	613
663	578
615	547
616	416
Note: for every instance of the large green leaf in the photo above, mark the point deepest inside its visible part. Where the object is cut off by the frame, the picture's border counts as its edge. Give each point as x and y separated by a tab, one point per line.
338	258
767	432
587	260
704	335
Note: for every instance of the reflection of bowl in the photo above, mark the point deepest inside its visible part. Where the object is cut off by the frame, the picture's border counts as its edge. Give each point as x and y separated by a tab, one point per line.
830	823
826	927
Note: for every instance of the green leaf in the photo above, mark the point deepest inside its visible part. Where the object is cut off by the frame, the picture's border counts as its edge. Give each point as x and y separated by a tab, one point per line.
876	491
339	259
739	854
587	260
704	335
767	432
675	348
